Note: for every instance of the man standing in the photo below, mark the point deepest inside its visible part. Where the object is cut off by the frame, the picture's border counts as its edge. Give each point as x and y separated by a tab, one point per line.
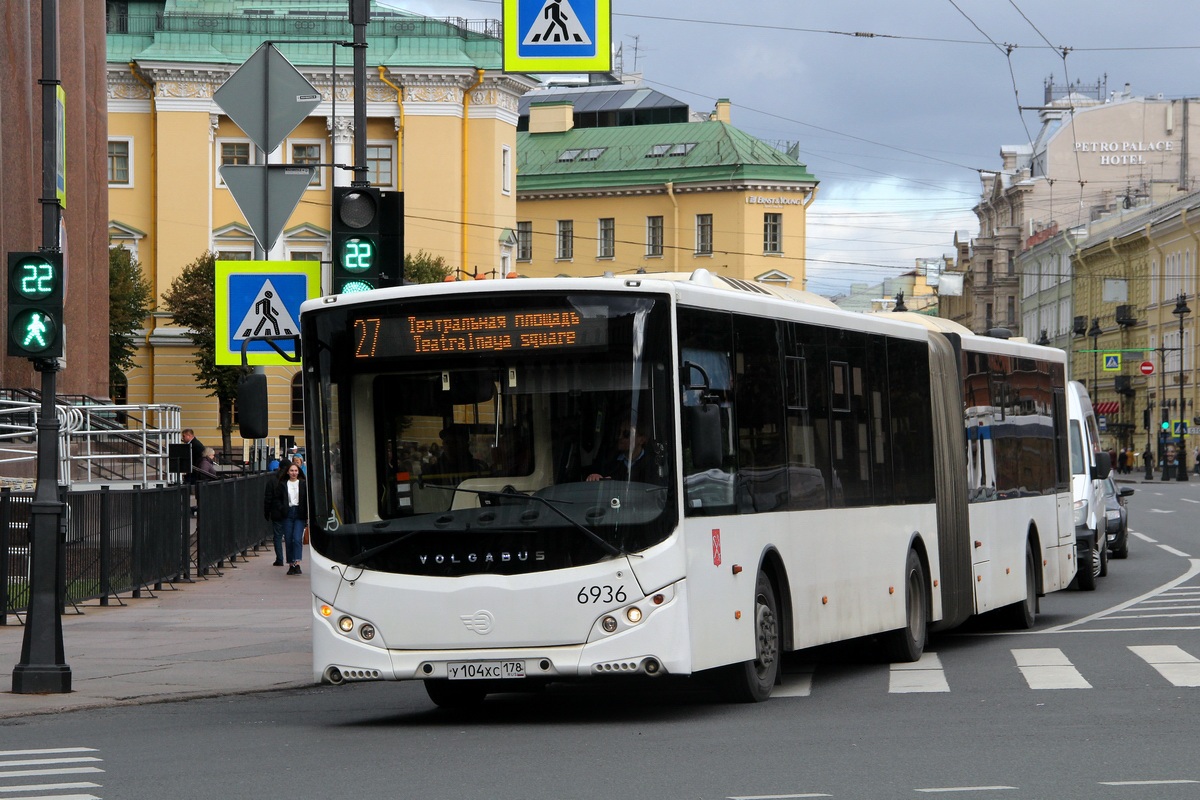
197	449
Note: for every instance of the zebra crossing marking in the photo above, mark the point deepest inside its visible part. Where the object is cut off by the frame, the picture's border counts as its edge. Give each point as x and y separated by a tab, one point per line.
47	762
1048	668
795	684
923	675
1172	662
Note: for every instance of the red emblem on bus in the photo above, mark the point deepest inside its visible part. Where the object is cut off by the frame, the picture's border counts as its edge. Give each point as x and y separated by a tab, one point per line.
716	547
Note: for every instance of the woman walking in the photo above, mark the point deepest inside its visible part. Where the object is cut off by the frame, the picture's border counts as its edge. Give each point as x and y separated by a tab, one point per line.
290	507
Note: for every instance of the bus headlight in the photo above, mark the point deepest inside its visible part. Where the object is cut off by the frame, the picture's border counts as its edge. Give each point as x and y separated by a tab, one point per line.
609	624
346	624
366	631
633	614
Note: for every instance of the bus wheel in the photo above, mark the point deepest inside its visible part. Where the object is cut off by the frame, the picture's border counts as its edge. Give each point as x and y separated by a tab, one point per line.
455	695
1020	615
1087	570
752	681
908	643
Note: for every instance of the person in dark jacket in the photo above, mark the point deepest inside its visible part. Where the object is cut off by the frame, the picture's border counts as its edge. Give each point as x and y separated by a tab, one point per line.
289	505
277	475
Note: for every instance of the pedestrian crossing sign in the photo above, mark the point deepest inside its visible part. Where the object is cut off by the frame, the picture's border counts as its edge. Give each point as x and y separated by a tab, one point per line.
1112	362
557	35
260	298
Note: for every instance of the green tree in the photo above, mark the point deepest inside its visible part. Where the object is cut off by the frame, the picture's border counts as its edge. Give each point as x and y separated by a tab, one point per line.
130	300
192	301
425	268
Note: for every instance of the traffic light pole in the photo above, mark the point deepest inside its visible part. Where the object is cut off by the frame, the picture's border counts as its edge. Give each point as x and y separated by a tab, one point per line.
42	668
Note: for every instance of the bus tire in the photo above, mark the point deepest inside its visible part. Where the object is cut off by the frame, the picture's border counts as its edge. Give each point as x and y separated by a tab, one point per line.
1088	569
908	643
1021	615
752	681
455	695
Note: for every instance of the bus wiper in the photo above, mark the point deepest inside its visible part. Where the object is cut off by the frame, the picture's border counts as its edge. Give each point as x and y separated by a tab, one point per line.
595	537
367	554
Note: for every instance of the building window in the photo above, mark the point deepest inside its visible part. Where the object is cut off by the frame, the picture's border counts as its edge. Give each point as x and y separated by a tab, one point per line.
305	255
506	169
379	165
298	400
654	237
772	233
524	241
704	232
607	238
566	239
235	255
232	152
308	153
118	162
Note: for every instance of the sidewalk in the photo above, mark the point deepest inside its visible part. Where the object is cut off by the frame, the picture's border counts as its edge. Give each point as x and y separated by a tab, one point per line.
248	629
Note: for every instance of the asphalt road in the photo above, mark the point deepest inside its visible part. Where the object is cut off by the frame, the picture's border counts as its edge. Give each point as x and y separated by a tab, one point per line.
1100	700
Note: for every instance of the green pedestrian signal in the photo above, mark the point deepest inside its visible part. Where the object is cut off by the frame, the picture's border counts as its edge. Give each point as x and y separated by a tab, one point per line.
35	304
356	239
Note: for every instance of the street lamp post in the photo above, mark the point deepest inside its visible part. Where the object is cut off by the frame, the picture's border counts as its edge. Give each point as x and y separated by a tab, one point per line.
1095	332
1181	310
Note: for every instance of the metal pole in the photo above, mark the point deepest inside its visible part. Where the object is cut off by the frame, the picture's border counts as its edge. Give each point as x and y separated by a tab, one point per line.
1182	457
360	15
43	668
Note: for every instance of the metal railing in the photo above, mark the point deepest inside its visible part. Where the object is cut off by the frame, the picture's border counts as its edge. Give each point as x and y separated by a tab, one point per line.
97	443
126	541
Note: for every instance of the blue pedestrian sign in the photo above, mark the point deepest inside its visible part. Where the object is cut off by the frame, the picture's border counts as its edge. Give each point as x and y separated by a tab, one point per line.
1112	362
260	298
557	35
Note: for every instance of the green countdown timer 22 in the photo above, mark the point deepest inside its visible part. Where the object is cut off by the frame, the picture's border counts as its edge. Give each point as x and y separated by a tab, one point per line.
35	300
358	255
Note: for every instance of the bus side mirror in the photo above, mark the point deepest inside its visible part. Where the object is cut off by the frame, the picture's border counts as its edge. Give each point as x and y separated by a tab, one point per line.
1103	465
252	406
704	427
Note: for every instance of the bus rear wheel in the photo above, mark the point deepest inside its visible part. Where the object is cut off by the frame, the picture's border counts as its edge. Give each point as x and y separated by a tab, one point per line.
908	643
752	681
1021	615
455	695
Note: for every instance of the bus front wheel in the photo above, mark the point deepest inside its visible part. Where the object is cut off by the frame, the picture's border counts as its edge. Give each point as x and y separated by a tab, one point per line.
908	643
752	681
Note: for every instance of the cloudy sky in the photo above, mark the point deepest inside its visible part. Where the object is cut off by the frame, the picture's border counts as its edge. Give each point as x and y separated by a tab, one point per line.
896	106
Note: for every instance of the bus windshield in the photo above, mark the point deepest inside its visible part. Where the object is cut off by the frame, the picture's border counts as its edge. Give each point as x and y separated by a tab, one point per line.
497	434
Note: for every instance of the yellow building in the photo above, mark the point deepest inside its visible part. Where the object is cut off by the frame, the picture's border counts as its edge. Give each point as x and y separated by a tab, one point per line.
1130	276
607	183
442	127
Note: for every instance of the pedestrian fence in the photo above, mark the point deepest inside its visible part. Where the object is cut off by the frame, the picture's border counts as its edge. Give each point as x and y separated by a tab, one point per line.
116	541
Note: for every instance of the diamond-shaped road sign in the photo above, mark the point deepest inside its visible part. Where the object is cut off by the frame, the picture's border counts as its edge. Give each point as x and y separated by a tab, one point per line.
266	194
267	97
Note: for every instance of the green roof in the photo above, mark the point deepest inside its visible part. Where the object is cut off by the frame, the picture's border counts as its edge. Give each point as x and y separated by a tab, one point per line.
229	31
640	154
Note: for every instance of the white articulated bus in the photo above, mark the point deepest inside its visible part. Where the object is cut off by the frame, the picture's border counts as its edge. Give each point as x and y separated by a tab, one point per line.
516	482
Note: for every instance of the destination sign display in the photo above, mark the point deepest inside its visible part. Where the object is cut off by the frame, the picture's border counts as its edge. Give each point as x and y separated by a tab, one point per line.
489	332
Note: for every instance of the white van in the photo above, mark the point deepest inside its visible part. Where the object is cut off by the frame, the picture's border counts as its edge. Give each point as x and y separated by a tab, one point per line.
1089	467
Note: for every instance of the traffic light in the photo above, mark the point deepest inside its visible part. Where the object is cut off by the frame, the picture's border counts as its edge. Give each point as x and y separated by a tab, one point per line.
356	239
35	304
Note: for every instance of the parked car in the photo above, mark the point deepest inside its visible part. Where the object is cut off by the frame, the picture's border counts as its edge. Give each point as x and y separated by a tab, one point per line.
1116	516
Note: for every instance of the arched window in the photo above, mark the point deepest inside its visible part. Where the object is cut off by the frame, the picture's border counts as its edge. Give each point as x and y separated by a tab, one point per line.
297	401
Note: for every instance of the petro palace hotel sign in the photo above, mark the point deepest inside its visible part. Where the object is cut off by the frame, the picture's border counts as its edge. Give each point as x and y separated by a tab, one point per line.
1123	153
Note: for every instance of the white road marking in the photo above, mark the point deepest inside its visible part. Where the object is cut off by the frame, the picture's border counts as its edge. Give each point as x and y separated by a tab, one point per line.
776	796
1143	783
47	787
1173	551
1193	570
967	789
1144	537
46	752
28	773
923	675
1048	668
1173	663
795	684
30	762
